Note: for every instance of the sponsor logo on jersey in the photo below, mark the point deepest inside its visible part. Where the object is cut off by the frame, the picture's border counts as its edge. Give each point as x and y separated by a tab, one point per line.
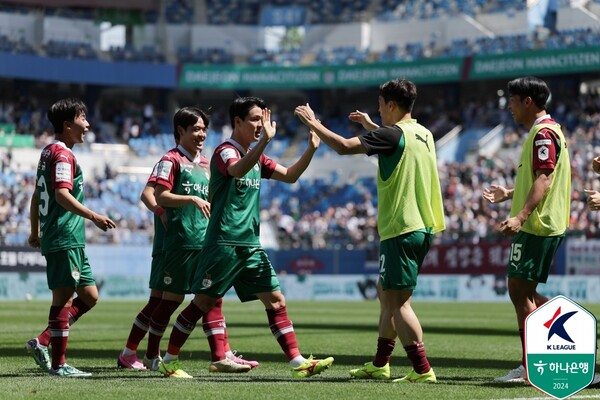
195	187
247	182
187	168
63	172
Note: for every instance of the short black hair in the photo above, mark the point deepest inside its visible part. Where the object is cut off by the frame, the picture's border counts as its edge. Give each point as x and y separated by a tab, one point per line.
530	86
401	91
241	106
188	116
65	110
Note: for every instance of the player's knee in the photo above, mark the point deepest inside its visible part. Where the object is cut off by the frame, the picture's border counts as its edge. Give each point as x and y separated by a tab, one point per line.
204	303
277	301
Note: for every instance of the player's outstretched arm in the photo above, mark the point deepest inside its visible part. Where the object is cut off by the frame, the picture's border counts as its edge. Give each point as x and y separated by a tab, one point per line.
363	119
66	200
291	174
338	143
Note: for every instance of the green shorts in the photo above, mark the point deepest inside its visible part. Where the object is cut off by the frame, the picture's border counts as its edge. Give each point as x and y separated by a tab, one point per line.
247	269
69	268
177	269
531	256
400	259
156	271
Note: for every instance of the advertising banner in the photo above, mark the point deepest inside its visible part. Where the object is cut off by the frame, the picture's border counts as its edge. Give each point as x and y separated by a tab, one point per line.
460	288
582	257
539	62
251	77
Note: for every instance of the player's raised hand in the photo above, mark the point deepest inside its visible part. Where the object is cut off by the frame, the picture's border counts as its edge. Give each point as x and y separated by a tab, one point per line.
103	222
496	194
305	113
363	119
202	205
268	126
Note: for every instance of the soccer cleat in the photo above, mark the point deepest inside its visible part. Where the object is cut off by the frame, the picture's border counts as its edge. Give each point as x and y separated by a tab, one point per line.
228	365
67	371
311	367
240	360
413	377
516	375
370	371
173	370
130	362
39	353
153	364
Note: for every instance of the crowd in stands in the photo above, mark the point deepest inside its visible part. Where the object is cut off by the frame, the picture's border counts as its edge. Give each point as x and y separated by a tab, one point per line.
330	212
226	12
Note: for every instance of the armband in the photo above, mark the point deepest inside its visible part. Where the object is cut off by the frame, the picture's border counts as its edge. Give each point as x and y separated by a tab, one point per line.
159	211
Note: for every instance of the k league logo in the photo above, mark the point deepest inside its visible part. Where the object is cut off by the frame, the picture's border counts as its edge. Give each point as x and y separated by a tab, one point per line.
560	344
556	326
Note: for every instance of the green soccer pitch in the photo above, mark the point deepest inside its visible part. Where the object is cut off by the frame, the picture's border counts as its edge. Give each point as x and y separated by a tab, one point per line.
468	344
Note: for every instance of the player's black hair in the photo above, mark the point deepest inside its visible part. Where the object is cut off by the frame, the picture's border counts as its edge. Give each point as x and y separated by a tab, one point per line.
401	91
241	106
65	110
188	116
530	86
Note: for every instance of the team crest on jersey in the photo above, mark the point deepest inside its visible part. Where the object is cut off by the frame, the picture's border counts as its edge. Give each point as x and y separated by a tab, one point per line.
167	280
543	153
75	272
207	282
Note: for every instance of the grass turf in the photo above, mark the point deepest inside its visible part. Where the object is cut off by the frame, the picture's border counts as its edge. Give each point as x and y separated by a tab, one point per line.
468	344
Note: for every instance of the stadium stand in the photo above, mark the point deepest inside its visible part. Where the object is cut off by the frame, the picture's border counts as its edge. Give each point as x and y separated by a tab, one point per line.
489	27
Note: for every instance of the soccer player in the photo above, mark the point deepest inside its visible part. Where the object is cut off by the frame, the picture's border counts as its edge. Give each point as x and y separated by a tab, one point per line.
57	226
181	187
410	212
232	254
128	357
539	214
